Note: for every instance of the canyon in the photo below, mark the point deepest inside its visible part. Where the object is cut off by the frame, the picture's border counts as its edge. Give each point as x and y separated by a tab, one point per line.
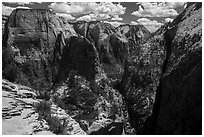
92	78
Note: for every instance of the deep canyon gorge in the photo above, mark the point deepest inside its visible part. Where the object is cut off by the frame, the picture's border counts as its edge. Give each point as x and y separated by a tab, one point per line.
70	78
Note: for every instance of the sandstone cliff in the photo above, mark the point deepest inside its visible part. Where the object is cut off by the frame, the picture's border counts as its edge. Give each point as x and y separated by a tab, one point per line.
29	41
92	78
181	84
162	81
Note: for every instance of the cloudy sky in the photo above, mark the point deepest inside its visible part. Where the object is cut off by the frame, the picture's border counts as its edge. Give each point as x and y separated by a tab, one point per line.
150	14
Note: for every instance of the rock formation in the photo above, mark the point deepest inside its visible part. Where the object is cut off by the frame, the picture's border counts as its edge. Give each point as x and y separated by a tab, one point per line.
162	81
142	73
29	42
180	109
48	53
92	78
20	117
134	33
112	45
17	108
4	19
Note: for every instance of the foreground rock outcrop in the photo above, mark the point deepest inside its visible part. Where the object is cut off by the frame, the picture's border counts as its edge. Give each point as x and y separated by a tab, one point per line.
18	114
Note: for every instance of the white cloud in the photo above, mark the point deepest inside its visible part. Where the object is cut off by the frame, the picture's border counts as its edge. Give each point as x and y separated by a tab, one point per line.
19	3
100	16
168	19
114	23
22	7
89	10
71	8
133	23
6	10
93	17
67	16
116	17
174	4
85	18
151	25
157	9
110	8
22	3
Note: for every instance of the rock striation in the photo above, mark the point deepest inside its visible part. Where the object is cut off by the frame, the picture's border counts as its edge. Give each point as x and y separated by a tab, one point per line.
17	107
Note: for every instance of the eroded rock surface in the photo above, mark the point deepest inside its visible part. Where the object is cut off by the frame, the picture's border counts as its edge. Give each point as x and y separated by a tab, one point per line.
134	33
180	110
141	77
162	80
112	45
94	105
18	114
29	41
79	66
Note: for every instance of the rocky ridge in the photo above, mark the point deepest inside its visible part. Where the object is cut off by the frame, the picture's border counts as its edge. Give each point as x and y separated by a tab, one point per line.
80	65
44	54
155	78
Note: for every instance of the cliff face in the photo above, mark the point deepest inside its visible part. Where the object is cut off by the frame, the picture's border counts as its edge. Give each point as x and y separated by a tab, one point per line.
112	45
29	42
142	73
4	19
79	55
162	81
135	33
43	51
181	85
82	65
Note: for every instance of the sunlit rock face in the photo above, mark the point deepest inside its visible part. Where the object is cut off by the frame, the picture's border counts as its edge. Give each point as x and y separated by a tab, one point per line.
4	19
29	41
43	51
135	33
101	80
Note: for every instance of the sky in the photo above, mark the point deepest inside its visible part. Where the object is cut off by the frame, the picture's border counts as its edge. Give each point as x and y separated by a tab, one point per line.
150	14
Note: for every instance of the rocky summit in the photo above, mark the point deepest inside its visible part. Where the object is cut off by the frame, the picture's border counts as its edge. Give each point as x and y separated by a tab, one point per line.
79	78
